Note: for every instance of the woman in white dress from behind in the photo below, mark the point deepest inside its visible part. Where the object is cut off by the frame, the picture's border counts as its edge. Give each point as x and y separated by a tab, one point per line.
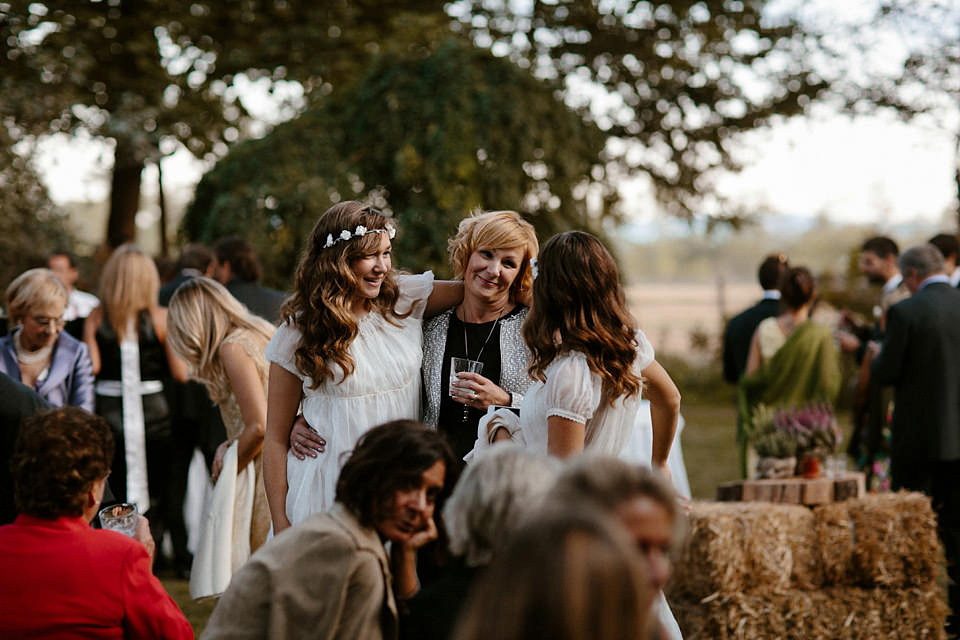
590	364
349	348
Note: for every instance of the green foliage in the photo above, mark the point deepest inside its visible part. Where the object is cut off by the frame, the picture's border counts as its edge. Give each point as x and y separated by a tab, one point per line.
428	139
142	71
689	76
30	225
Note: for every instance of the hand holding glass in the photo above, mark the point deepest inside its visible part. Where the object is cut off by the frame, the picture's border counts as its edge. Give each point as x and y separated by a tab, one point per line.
121	517
458	365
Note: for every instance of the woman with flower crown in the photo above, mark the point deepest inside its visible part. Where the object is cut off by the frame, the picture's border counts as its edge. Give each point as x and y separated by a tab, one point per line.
349	350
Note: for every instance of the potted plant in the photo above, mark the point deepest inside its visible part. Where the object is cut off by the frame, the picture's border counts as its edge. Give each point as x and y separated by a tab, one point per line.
808	433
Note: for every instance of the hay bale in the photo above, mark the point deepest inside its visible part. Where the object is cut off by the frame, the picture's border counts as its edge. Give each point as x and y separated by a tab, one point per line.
879	540
737	547
835	543
843	613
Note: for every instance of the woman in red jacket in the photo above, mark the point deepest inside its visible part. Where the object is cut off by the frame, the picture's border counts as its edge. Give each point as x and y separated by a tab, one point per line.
59	578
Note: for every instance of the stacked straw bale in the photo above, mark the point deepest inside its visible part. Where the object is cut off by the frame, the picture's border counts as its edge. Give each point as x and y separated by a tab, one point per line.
864	568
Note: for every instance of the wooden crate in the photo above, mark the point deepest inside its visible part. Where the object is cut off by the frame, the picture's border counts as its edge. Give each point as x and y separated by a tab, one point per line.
797	490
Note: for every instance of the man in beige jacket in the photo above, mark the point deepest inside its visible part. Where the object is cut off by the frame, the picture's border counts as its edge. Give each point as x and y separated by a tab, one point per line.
331	576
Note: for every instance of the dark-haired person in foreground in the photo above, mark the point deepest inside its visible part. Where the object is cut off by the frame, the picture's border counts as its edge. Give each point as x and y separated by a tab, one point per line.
59	578
330	576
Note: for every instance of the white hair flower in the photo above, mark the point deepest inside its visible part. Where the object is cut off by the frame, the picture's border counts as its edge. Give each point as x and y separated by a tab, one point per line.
329	241
533	267
391	231
360	230
344	235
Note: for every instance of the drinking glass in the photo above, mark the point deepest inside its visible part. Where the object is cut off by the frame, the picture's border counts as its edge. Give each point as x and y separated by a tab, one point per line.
120	517
463	364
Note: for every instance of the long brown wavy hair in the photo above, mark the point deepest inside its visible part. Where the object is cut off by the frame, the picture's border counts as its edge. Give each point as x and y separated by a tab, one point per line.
325	286
578	305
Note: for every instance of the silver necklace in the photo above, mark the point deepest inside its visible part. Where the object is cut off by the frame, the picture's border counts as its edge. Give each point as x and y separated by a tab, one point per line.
466	344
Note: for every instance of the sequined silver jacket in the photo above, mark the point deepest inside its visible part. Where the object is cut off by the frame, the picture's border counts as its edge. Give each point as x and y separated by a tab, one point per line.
514	360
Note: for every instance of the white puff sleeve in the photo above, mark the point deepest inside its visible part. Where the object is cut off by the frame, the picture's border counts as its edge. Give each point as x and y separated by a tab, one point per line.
572	390
414	291
281	348
645	353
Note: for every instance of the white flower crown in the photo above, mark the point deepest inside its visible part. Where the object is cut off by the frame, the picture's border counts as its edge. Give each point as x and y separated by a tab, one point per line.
358	232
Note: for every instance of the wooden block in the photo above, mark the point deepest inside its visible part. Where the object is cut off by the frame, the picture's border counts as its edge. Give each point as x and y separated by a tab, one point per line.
730	492
818	491
849	486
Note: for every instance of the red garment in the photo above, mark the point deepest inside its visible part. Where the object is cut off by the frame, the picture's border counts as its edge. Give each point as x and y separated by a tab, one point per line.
62	579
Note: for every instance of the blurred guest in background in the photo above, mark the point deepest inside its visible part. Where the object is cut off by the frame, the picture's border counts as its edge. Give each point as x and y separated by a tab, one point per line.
19	403
872	404
793	361
223	344
947	244
235	266
59	578
195	260
568	575
740	328
919	358
645	504
38	352
79	303
127	337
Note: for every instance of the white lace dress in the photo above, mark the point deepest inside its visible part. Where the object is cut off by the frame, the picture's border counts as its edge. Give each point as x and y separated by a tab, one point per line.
572	391
384	386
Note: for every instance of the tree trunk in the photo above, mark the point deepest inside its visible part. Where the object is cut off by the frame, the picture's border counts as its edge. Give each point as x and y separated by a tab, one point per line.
162	202
956	174
124	194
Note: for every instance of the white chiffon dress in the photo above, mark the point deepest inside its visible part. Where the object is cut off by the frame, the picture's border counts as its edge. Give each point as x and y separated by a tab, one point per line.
384	386
572	391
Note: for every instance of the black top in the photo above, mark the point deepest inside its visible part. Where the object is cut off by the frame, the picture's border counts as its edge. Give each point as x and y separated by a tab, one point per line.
457	421
153	356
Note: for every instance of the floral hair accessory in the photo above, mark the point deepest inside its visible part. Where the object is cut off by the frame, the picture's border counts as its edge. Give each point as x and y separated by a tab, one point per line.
533	267
357	233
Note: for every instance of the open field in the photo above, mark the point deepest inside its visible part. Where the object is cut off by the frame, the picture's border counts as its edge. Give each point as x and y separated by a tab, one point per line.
670	312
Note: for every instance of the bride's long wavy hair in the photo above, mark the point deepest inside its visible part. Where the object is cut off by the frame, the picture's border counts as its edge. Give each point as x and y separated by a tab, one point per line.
579	305
325	287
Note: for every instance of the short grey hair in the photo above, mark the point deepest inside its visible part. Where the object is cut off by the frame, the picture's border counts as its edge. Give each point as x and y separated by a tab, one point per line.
495	494
32	289
924	259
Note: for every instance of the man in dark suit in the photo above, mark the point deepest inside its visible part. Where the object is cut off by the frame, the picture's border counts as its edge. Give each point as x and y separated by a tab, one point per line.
947	243
740	328
920	357
236	267
195	260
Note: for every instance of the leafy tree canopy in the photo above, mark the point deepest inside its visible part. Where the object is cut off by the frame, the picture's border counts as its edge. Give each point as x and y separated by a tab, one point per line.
428	138
31	226
136	71
685	76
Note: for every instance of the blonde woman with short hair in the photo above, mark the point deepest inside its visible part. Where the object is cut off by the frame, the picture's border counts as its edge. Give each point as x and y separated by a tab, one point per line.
37	352
223	344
